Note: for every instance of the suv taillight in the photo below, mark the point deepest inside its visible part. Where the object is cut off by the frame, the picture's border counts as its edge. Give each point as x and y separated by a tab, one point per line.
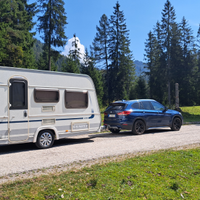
124	113
105	114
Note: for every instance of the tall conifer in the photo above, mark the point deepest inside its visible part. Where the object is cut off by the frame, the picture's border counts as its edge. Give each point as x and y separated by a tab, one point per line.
186	73
90	69
100	48
197	76
16	40
170	59
149	57
168	22
52	23
121	66
75	50
42	63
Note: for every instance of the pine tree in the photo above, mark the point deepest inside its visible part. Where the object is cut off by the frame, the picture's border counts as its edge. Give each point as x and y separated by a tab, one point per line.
52	24
28	58
42	63
159	72
133	94
170	59
86	60
149	57
75	50
141	90
15	37
70	65
121	67
186	81
197	69
168	22
75	54
90	69
4	40
100	48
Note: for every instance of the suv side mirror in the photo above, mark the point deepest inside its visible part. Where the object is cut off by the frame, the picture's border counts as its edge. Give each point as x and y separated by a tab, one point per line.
165	109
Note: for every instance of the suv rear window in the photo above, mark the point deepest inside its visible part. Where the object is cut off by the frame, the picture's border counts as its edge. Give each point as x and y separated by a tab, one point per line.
116	106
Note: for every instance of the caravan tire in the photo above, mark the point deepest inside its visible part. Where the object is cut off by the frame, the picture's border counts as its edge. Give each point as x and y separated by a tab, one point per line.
45	139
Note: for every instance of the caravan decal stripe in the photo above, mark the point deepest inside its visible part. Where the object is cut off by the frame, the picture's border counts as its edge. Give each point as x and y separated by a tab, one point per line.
13	122
92	116
68	119
39	120
3	122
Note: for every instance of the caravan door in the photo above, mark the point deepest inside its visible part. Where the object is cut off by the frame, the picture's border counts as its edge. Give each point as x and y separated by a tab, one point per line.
18	110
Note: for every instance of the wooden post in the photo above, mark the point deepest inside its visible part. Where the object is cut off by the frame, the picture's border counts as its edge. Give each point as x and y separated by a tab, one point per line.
176	96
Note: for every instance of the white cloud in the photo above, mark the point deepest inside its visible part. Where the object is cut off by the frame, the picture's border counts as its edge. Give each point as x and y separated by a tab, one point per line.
69	47
193	23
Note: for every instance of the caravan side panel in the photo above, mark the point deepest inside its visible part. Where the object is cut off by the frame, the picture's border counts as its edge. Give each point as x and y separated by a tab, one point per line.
3	113
56	114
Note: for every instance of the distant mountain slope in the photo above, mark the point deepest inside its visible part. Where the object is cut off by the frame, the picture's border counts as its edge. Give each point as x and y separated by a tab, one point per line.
37	48
139	67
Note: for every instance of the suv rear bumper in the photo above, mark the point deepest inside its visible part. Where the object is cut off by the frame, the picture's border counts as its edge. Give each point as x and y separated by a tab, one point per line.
119	126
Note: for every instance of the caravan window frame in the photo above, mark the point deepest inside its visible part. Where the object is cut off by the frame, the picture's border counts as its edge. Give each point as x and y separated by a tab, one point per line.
15	94
67	92
40	100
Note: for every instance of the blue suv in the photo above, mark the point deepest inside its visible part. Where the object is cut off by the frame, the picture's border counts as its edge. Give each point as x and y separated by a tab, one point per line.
140	115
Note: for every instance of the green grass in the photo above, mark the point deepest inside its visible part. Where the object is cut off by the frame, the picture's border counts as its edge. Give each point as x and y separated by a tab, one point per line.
102	114
161	175
191	113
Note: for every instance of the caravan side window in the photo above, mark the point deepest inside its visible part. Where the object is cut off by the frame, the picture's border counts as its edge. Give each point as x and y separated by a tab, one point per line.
76	99
18	94
46	96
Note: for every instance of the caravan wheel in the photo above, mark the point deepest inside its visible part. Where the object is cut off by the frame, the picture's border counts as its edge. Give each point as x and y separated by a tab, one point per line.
45	139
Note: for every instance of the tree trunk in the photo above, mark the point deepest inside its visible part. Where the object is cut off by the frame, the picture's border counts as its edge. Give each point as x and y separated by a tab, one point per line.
49	60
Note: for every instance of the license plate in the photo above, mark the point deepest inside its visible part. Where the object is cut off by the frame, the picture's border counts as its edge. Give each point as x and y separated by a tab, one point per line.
111	115
80	126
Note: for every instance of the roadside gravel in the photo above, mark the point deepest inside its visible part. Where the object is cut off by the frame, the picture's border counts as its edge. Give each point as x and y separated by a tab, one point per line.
25	161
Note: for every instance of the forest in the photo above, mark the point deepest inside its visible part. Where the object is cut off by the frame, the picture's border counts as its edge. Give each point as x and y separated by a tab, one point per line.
172	52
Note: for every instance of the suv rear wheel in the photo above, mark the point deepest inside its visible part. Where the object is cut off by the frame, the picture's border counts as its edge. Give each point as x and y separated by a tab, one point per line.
138	127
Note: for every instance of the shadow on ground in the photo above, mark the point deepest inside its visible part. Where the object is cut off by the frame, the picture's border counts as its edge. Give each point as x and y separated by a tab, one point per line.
16	148
127	133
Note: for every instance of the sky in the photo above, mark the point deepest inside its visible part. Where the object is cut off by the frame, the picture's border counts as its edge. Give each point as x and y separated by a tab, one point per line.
141	16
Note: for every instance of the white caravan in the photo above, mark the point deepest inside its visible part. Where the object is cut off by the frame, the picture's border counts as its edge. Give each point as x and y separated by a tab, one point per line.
43	106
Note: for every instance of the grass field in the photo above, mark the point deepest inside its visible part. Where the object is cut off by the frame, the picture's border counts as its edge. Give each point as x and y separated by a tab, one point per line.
102	114
161	175
191	113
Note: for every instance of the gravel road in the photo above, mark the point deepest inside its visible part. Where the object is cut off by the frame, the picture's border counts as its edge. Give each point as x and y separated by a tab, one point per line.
25	157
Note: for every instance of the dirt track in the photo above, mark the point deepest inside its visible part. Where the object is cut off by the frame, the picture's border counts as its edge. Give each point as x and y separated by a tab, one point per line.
17	159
